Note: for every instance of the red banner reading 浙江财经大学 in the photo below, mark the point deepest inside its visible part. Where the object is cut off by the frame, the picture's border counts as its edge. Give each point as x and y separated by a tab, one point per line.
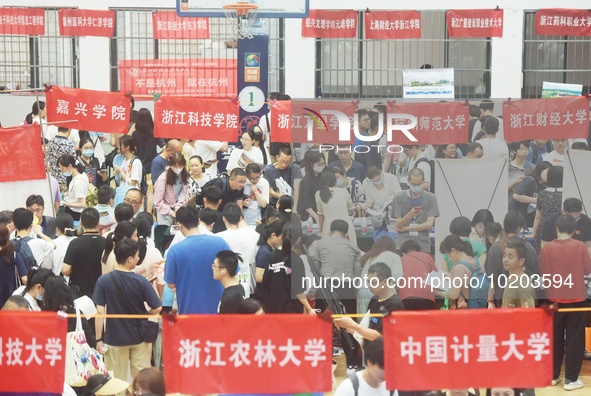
285	353
21	153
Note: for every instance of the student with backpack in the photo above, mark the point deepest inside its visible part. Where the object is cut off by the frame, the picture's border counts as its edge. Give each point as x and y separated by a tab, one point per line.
469	284
35	252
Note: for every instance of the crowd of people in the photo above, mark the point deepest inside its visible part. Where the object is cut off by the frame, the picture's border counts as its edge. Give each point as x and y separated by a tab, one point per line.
160	225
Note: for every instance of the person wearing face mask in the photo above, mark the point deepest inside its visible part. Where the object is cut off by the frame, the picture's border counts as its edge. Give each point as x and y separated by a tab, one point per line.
311	183
78	186
353	187
380	189
415	211
33	292
95	171
171	192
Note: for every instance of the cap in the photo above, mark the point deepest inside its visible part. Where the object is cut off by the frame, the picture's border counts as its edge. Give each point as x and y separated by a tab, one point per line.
101	384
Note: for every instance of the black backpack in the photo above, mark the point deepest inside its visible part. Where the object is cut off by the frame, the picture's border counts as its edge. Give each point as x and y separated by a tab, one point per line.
432	165
224	177
355	382
22	248
536	150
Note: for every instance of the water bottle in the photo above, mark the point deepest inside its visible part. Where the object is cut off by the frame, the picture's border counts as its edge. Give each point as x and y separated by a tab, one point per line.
364	225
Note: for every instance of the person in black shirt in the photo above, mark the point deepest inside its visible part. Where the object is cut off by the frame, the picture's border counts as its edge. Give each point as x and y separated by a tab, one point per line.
225	267
384	301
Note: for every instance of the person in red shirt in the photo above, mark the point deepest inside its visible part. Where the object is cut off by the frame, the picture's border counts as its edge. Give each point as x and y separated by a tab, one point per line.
565	262
416	264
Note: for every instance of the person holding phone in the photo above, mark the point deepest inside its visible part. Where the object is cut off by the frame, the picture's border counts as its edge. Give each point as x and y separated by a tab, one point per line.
415	211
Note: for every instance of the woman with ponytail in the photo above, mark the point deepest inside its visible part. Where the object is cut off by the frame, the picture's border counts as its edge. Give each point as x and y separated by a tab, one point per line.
65	231
269	240
150	257
124	230
72	168
10	265
33	292
334	203
460	252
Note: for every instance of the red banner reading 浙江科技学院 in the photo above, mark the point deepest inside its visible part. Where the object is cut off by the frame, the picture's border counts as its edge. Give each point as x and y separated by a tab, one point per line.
89	110
21	153
475	23
285	353
391	25
25	350
196	118
491	348
168	25
330	24
77	22
22	21
548	118
563	22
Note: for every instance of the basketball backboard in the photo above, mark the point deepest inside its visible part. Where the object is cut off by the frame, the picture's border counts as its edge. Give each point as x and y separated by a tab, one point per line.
267	8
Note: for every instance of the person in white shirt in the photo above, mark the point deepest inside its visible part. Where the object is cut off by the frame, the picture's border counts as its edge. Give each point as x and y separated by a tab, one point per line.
64	228
78	186
416	159
207	150
371	380
106	200
33	291
487	107
129	171
492	147
556	157
242	240
257	189
247	154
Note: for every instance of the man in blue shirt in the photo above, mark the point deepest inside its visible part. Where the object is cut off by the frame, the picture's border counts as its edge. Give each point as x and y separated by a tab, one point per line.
188	266
351	167
160	162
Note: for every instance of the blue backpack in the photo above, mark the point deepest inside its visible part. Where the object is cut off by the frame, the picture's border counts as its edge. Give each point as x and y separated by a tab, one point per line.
479	285
21	247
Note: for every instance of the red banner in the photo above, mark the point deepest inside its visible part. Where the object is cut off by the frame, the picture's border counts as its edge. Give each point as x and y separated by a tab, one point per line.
168	25
196	118
475	23
435	123
318	121
76	22
22	21
330	24
188	77
32	342
563	22
278	354
388	25
428	351
549	118
21	153
92	110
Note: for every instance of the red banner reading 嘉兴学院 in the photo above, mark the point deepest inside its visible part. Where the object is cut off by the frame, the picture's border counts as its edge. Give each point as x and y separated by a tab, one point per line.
21	153
330	24
389	25
285	353
475	23
77	22
22	21
563	22
427	351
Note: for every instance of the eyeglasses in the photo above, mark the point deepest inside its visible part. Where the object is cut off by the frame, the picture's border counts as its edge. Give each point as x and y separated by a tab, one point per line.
241	182
129	201
216	266
255	179
38	210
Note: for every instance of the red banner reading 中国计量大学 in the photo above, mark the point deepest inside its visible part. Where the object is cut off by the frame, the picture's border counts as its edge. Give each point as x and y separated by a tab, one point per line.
428	351
77	22
391	25
21	153
475	23
278	354
563	22
22	21
196	118
90	110
24	350
330	24
168	25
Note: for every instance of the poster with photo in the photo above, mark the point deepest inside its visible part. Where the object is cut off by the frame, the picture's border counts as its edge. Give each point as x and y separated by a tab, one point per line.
428	83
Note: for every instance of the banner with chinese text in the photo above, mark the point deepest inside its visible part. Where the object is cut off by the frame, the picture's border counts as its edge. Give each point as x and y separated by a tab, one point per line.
428	351
388	25
330	24
549	118
21	153
168	25
76	22
563	22
22	21
92	110
26	349
434	123
475	23
196	118
285	353
188	77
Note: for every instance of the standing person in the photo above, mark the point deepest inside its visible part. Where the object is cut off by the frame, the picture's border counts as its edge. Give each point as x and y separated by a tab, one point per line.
461	227
190	274
33	291
346	163
310	184
271	238
448	151
160	162
12	267
66	233
419	160
124	230
208	150
56	147
549	202
556	157
78	186
125	293
415	211
481	219
224	269
524	196
574	208
353	187
333	203
518	166
36	252
246	153
106	200
197	178
416	296
129	172
460	252
135	199
537	149
519	292
567	259
82	262
282	173
493	146
36	204
94	169
380	189
257	190
487	107
259	142
368	124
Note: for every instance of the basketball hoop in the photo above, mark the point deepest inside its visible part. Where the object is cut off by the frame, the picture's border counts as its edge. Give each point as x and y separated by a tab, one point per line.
243	14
